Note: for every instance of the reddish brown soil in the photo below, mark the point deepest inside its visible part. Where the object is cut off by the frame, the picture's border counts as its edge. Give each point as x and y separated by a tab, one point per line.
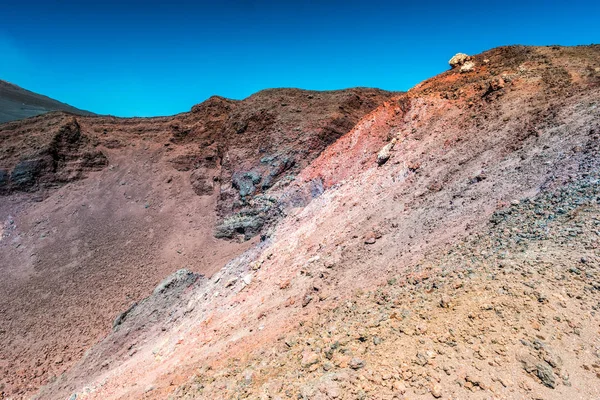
96	211
463	267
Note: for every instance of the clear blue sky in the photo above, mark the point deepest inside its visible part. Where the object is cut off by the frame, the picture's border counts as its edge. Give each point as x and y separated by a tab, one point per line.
150	58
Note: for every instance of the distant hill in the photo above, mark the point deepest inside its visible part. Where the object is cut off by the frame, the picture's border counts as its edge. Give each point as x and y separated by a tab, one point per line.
17	103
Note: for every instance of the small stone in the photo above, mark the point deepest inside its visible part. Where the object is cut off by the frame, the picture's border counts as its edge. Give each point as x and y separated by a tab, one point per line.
149	389
445	302
372	237
399	387
506	382
496	84
248	375
422	359
356	363
309	359
231	282
539	369
414	166
333	391
473	379
544	372
306	300
421	329
436	391
385	153
284	284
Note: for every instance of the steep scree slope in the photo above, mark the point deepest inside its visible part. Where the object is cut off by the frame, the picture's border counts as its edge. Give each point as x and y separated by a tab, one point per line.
95	211
452	252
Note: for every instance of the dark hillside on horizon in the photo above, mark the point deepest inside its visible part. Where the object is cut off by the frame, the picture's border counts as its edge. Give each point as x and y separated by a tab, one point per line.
17	103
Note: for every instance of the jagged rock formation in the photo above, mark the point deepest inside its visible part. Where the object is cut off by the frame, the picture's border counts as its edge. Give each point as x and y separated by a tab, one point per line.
62	155
460	261
95	211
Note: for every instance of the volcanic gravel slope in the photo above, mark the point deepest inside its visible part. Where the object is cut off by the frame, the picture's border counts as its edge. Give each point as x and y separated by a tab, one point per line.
17	103
96	211
445	247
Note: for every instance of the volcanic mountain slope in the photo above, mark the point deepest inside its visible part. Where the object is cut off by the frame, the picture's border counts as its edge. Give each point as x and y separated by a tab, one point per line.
96	211
17	103
452	253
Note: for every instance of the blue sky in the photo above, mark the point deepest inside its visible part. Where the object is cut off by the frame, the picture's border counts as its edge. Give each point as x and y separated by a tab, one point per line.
149	58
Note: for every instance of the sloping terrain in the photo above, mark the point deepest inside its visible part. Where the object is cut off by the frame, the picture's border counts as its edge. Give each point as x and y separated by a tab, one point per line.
446	246
17	103
510	313
96	211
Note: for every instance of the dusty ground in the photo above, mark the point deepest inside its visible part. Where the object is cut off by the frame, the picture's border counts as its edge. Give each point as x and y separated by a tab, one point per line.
446	246
508	313
97	211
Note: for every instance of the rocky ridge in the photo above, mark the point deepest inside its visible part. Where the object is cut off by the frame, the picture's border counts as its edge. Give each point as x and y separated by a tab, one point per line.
450	238
96	211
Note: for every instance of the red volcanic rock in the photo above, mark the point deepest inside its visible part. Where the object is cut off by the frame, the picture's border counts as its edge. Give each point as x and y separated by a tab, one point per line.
102	208
497	84
488	203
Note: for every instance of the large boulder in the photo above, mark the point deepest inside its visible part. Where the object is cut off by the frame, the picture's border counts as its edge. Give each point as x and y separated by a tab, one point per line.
245	182
246	224
467	66
459	59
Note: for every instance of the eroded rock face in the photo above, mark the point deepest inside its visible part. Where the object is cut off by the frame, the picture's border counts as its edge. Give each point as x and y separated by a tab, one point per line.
25	174
245	224
65	156
250	151
203	181
246	182
173	183
346	257
4	180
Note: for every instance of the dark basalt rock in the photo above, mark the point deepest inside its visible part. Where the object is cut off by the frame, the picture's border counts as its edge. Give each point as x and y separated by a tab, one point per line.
4	180
245	182
24	175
